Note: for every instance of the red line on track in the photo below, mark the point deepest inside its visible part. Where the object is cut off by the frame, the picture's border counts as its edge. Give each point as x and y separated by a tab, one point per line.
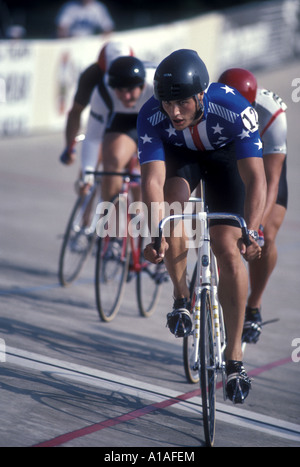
62	439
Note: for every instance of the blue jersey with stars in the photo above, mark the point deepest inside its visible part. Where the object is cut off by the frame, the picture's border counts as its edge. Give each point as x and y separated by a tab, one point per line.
227	117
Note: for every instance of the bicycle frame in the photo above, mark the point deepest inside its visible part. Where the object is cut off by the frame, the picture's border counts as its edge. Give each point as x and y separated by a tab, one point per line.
207	277
129	181
115	222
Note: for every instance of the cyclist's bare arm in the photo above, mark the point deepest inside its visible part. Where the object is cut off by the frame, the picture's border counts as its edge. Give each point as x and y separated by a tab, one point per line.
153	176
72	127
252	172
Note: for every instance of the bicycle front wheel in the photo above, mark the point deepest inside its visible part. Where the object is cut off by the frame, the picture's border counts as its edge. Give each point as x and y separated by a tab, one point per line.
148	284
208	371
78	239
190	368
112	263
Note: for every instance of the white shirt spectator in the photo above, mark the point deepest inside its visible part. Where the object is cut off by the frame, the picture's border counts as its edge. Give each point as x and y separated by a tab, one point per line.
79	18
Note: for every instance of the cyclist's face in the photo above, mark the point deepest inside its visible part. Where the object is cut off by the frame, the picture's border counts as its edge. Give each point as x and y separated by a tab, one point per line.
182	112
128	96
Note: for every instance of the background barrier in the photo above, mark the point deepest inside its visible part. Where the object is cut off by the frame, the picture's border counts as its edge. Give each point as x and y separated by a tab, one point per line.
38	78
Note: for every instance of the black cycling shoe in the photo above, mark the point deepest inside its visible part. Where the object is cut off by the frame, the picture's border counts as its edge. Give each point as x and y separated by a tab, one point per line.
179	321
238	383
252	325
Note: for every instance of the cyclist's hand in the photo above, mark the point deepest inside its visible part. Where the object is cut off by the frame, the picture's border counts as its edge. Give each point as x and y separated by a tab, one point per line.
151	254
68	156
250	252
81	188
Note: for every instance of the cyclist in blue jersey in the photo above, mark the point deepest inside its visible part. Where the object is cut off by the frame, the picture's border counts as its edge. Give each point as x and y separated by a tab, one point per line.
190	130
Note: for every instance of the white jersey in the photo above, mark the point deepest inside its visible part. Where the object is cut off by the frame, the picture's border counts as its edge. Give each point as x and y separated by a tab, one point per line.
105	104
272	121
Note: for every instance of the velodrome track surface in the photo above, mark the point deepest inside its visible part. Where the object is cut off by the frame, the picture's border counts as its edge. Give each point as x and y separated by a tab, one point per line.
70	380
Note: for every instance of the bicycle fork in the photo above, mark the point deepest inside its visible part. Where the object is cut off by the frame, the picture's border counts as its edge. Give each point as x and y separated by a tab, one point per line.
203	280
207	277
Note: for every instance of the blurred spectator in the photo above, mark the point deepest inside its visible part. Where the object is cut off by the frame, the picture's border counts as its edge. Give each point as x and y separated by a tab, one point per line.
11	27
16	31
83	18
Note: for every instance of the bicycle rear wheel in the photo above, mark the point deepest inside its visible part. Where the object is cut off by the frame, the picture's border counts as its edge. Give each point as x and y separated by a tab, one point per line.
191	373
112	263
148	283
78	239
208	371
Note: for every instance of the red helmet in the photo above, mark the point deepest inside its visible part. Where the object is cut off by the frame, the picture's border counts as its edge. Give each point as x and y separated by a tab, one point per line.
242	80
110	51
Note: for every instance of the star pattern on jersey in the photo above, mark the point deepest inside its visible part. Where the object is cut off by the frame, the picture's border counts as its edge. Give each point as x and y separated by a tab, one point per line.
217	129
244	134
146	139
228	89
221	126
171	131
221	140
259	144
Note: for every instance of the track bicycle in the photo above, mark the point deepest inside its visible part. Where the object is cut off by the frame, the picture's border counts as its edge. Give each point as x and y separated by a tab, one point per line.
119	256
80	234
204	348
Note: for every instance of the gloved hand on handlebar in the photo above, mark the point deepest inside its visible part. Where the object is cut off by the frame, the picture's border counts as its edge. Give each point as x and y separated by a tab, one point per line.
68	156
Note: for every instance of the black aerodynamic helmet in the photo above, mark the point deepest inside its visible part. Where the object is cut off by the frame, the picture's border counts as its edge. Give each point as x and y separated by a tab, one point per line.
180	75
126	72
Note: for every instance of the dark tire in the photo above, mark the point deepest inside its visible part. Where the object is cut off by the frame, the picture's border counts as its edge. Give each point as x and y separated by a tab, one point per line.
112	261
148	284
208	372
78	241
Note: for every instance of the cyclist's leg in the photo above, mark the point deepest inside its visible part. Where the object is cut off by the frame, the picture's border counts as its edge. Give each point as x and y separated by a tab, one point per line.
183	174
225	192
261	270
116	152
177	191
233	285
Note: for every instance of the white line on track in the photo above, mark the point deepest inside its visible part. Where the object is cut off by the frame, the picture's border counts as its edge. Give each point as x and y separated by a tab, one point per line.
154	393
